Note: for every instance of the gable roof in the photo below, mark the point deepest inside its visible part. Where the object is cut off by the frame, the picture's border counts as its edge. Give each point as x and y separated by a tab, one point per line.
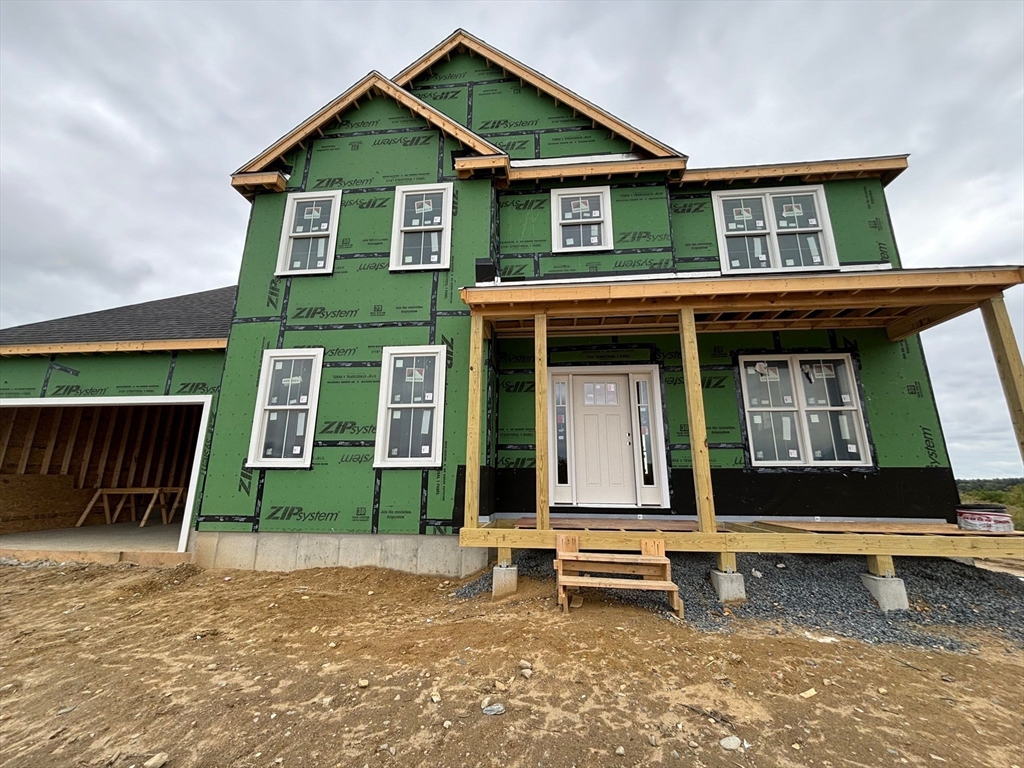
194	321
264	163
461	38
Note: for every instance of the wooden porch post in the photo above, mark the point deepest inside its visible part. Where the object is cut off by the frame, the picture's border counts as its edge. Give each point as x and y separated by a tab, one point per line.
476	363
698	434
1008	362
540	357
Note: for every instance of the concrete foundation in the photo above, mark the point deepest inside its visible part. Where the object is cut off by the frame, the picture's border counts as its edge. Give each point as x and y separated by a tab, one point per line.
889	592
505	580
728	586
423	555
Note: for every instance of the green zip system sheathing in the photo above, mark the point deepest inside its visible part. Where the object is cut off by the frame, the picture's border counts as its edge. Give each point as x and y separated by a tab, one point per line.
352	314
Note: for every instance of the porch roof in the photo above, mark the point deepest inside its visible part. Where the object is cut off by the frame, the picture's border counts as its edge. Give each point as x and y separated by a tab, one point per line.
902	301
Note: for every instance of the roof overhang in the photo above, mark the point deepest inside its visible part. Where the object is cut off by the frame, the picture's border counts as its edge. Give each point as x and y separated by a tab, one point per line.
903	302
886	168
100	347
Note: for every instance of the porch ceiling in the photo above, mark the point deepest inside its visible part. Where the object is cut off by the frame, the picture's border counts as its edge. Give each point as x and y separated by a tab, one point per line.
904	302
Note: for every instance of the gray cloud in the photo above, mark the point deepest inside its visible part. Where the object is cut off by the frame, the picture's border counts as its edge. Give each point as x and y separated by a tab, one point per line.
121	122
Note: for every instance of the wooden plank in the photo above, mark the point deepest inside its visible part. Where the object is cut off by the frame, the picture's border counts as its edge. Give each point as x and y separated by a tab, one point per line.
177	449
881	565
575	170
88	509
540	400
925	318
51	441
1008	362
601	582
653	548
866	165
153	437
95	415
30	435
783	543
727	562
609	523
189	449
126	432
149	509
136	451
69	449
926	529
476	377
5	437
93	347
504	556
574	567
612	557
701	457
172	416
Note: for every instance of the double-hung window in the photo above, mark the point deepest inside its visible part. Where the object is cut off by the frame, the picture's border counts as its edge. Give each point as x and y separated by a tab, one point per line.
410	413
421	229
283	424
581	219
309	234
774	229
803	411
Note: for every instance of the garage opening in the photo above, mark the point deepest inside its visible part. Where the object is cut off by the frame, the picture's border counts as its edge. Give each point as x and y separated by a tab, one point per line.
97	477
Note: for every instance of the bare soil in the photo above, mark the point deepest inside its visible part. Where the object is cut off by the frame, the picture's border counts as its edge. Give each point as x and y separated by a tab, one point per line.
109	665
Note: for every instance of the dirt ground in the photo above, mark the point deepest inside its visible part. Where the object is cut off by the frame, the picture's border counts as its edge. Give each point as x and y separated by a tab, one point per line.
109	665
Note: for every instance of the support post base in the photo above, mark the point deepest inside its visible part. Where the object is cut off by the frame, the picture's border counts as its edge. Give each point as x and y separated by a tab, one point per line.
728	586
889	592
505	580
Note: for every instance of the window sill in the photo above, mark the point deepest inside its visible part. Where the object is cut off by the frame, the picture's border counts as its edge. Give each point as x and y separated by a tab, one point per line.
279	464
588	249
407	464
302	272
441	267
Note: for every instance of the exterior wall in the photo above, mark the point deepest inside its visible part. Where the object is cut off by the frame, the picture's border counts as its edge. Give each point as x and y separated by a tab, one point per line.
910	474
353	314
149	375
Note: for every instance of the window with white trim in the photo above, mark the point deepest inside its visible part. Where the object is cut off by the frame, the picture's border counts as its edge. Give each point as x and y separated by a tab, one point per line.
421	229
309	234
803	410
410	413
285	416
774	229
581	219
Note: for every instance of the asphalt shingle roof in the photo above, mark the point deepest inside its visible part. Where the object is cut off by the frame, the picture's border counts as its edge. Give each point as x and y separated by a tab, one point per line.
204	315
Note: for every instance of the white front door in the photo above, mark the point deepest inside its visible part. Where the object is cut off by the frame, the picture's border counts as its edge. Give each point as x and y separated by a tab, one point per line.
606	440
602	429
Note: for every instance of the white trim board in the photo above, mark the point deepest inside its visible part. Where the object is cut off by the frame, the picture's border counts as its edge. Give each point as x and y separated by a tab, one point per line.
204	421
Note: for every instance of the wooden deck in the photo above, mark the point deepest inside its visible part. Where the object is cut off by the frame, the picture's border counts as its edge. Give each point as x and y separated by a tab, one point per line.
613	524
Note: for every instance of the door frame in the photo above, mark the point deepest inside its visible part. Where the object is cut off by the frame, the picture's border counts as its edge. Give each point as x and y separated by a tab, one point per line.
657	428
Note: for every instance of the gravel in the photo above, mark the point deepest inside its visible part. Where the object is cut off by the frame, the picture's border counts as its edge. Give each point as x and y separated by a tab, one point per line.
823	594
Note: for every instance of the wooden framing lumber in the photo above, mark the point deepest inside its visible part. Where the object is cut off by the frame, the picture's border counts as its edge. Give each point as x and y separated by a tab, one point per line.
560	94
271	181
69	449
504	556
90	347
1008	362
881	565
783	543
540	399
111	428
51	441
8	430
476	376
90	442
888	168
373	82
30	436
576	170
696	420
924	319
124	445
727	562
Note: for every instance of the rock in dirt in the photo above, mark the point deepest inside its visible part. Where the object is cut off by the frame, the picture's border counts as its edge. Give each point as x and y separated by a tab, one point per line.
652	738
692	744
527	673
157	760
364	683
730	743
500	685
524	664
494	709
620	751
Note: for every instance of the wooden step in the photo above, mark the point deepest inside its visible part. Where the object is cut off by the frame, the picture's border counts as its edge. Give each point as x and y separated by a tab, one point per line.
607	557
603	582
658	570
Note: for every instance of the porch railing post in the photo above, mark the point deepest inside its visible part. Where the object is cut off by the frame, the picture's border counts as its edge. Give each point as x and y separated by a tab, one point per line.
476	363
1008	361
540	356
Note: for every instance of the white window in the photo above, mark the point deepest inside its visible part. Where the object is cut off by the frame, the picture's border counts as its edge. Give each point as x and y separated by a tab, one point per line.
285	417
803	411
581	219
309	233
421	230
774	229
410	414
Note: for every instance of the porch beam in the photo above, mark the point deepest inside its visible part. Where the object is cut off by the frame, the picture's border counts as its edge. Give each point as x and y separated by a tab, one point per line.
698	425
924	319
540	357
476	362
1005	545
1008	362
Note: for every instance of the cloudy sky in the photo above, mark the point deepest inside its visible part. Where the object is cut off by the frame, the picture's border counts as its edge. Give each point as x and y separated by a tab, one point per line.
121	122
